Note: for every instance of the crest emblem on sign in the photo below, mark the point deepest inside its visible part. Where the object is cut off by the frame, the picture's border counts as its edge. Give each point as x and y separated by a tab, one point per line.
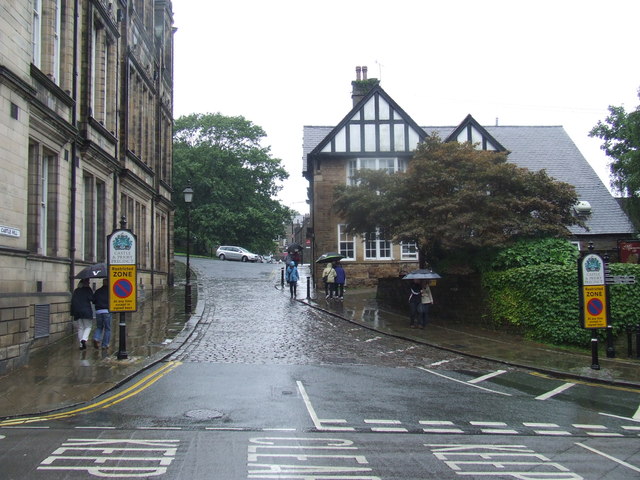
592	265
122	242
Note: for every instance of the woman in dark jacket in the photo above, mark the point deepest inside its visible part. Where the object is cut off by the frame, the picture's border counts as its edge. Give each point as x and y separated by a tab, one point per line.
81	311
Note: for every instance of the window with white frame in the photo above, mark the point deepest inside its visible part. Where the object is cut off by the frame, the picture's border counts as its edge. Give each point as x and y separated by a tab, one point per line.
376	247
408	251
387	164
93	219
36	33
43	208
346	244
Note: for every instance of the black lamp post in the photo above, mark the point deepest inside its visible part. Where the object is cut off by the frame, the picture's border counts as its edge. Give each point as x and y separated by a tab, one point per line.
188	198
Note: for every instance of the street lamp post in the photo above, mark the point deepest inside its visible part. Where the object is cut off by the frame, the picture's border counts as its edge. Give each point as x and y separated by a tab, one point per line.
188	198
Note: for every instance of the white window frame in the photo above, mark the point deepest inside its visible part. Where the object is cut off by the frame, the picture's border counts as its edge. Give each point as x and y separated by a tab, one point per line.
345	239
36	34
405	251
375	163
379	245
57	41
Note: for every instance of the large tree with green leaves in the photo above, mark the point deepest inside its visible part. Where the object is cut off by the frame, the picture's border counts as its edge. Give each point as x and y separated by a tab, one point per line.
621	134
456	201
235	181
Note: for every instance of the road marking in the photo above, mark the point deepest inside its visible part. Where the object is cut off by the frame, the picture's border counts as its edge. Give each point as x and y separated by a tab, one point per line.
614	459
314	417
636	416
555	391
372	339
589	427
113	457
441	362
389	429
464	383
136	388
487	376
621	418
383	422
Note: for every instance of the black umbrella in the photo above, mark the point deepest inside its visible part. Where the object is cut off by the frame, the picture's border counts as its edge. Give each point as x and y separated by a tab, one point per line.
329	257
97	270
294	247
421	274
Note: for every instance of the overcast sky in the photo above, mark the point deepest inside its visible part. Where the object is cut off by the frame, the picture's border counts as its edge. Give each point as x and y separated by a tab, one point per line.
283	64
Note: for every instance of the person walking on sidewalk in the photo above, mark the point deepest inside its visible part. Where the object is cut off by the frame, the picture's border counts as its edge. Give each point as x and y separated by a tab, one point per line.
292	276
102	333
415	300
329	277
341	280
426	299
82	312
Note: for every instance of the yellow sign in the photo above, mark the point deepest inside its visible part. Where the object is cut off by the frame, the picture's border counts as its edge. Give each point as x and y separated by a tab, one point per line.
122	288
594	306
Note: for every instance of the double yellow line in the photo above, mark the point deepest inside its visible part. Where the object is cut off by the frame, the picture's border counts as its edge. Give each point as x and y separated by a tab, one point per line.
129	392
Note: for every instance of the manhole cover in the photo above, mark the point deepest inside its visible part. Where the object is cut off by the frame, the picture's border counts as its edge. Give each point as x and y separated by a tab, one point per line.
203	414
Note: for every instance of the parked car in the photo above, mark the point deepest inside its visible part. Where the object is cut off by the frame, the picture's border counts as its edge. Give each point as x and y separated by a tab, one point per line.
236	253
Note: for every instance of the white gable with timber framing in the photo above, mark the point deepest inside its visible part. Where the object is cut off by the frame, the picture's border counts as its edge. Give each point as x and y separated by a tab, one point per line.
471	131
376	125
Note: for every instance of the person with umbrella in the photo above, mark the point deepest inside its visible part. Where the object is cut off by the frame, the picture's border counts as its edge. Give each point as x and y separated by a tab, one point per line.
81	311
420	297
329	277
341	279
102	332
292	276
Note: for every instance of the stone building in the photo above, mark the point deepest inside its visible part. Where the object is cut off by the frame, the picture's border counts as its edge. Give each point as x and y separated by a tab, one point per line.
378	134
86	115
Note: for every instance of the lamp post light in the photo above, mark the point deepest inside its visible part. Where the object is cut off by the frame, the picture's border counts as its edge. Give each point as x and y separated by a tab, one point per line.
188	198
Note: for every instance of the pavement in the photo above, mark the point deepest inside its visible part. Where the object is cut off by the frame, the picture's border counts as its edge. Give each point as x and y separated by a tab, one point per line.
60	376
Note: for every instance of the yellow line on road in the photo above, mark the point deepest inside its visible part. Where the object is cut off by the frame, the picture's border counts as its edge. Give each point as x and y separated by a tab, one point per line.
129	392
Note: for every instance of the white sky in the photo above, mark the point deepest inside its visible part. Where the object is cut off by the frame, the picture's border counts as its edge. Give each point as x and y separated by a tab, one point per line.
283	64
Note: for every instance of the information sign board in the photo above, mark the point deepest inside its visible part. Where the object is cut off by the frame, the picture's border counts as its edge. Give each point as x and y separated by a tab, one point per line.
122	271
592	267
594	305
122	284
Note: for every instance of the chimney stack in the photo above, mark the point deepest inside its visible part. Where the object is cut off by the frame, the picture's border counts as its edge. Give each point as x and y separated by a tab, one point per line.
361	85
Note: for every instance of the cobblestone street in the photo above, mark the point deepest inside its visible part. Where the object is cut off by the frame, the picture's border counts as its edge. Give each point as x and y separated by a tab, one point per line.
250	320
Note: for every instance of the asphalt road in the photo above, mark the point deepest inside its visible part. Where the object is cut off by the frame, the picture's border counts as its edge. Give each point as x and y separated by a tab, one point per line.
270	388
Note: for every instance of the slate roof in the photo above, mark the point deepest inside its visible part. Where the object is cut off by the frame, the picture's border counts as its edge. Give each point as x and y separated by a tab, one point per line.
536	148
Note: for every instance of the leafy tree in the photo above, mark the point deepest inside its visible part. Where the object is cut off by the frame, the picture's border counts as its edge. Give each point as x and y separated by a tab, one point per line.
621	134
234	179
456	201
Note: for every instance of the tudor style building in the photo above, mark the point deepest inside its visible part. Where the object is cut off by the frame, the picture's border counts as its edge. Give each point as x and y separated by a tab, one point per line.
86	117
378	134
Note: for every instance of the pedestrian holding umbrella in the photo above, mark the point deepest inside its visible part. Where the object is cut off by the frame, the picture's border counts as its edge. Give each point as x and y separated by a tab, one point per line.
421	297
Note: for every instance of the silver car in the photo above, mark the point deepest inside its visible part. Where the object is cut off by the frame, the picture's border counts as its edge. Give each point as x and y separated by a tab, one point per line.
236	253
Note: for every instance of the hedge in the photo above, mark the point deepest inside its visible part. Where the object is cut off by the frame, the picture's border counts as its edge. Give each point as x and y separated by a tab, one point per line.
543	302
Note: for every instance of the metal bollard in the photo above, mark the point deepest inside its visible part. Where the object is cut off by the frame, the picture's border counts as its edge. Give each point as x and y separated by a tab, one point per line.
308	288
629	341
282	277
611	351
595	365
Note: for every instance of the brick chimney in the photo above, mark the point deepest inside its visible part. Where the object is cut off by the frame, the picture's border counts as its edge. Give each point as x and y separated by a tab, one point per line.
361	85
